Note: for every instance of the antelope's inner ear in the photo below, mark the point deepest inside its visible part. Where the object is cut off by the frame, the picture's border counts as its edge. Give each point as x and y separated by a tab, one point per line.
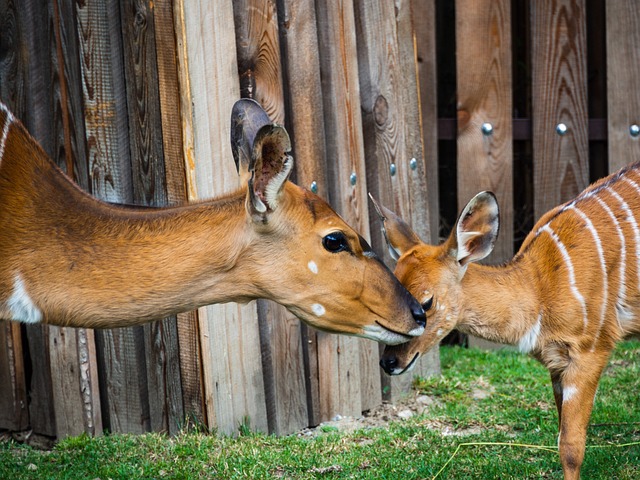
271	167
398	234
477	228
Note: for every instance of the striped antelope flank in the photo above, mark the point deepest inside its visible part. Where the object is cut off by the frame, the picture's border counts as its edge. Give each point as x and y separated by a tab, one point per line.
568	295
68	259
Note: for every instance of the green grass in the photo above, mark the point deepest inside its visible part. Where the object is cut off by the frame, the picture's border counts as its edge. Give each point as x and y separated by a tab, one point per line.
516	418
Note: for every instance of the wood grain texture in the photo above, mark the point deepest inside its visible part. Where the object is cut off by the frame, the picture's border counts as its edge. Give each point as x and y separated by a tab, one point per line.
260	74
390	102
121	352
559	95
74	368
483	53
229	333
189	359
339	357
258	50
13	388
27	96
423	15
149	188
14	411
305	122
623	72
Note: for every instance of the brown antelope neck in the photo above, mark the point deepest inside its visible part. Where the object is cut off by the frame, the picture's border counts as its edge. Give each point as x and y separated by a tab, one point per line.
567	297
69	259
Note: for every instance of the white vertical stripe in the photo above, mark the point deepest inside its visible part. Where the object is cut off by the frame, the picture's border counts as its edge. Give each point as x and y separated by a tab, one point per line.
634	225
572	278
5	129
622	289
603	267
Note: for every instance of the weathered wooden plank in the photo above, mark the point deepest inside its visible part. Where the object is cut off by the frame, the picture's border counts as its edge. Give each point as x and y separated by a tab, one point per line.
339	357
304	115
14	411
559	95
121	351
258	49
483	58
623	72
485	157
169	91
149	179
229	333
424	24
422	37
76	396
13	389
389	95
260	73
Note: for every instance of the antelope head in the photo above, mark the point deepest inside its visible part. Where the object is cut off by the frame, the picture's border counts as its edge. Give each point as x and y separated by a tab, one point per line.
434	274
303	254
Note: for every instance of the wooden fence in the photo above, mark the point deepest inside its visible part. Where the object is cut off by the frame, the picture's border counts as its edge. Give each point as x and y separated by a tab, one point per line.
133	99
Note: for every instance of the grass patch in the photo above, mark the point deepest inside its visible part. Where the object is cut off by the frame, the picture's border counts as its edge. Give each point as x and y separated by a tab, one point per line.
494	412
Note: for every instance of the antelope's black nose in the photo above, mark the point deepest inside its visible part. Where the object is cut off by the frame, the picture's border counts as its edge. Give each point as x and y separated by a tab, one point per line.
389	363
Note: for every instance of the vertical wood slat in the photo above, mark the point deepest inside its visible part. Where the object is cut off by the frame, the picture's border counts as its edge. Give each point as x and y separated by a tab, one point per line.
163	381
189	360
423	19
304	120
30	66
74	368
189	335
424	24
483	43
559	95
339	376
260	73
391	124
623	72
121	351
229	333
14	412
13	388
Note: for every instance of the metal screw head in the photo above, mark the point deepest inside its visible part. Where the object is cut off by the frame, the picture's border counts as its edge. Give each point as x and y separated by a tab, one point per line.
314	187
561	129
392	169
487	129
634	130
353	178
413	164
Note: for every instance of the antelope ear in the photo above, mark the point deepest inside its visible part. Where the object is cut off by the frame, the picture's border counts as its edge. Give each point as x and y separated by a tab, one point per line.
247	117
476	229
270	168
398	234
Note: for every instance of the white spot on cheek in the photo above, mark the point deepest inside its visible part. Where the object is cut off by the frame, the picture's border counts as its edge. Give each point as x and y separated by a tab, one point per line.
21	307
318	309
312	266
439	332
568	393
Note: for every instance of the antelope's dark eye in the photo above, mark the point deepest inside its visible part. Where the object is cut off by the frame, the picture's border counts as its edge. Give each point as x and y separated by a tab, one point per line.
426	306
335	242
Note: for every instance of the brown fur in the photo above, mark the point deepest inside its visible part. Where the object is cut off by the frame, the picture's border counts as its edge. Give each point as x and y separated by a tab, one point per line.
504	304
85	263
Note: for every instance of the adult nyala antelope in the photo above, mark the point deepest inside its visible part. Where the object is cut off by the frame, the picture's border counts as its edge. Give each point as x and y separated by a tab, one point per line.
68	259
567	297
